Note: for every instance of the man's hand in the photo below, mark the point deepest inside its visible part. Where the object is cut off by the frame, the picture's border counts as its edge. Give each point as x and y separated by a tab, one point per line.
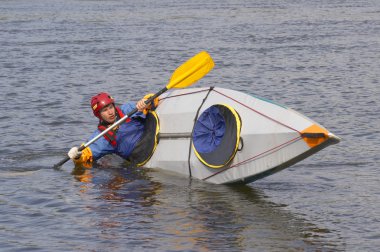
74	153
142	107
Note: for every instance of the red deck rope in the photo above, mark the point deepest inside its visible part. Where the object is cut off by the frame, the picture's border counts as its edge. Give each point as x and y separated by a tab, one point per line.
199	91
270	118
270	151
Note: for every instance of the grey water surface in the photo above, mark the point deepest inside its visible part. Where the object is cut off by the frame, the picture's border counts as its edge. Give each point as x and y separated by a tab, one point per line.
321	58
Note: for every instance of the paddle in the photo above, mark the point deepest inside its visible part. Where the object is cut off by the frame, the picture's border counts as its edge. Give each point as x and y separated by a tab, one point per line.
184	76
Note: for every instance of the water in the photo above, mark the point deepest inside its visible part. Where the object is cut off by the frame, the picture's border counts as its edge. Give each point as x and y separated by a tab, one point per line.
318	57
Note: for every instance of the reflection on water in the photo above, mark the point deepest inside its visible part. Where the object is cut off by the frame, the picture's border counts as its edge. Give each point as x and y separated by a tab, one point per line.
113	206
117	184
174	213
243	217
82	174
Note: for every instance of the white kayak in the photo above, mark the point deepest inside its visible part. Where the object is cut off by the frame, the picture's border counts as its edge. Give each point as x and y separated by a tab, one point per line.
258	137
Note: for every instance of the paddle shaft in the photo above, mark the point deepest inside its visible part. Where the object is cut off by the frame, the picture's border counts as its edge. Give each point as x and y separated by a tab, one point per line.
120	121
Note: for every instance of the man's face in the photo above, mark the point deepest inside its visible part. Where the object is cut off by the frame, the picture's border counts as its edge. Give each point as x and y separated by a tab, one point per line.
108	113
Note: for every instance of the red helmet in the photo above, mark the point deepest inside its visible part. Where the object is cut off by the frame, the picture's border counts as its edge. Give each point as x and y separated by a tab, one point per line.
99	101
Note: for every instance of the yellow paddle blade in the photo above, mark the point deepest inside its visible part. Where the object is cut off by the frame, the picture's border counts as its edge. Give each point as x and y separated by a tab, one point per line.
191	71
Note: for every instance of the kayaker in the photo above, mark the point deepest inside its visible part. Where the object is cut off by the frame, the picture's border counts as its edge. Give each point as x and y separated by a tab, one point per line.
122	139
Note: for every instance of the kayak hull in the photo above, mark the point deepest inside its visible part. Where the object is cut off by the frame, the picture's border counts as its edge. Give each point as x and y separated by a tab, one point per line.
272	136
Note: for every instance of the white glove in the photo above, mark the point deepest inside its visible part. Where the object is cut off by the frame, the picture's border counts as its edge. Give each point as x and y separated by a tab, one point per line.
74	153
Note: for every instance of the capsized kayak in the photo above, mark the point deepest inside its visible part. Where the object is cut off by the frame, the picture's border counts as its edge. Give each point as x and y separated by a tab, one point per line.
223	136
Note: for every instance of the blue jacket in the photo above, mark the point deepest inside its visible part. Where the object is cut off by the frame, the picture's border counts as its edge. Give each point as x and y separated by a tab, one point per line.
128	134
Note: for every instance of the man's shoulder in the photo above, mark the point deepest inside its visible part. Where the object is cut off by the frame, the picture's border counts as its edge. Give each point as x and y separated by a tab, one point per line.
127	107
